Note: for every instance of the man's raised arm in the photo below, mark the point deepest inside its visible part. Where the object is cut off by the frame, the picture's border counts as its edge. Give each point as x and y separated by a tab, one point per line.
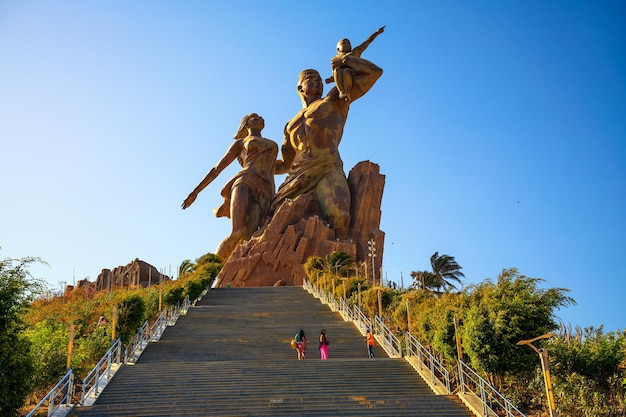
366	74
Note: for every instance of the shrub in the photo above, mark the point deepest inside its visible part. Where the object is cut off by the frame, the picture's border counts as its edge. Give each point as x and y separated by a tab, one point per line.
130	315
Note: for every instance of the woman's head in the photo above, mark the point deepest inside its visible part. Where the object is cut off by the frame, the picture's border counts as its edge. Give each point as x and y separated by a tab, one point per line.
249	120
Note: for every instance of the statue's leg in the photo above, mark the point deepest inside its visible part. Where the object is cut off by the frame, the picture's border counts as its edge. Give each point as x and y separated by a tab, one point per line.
239	203
334	197
348	74
338	74
255	216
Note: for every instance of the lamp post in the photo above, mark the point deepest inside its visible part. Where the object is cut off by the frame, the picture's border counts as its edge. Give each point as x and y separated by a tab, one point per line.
371	247
70	342
457	335
459	347
545	366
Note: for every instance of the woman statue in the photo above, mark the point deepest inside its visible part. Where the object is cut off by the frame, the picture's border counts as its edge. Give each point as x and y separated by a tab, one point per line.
248	195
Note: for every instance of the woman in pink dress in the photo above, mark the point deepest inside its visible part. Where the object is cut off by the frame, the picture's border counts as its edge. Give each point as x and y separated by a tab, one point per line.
323	345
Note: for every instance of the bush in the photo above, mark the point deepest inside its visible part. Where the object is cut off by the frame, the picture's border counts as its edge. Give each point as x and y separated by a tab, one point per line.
193	288
174	296
17	289
50	338
130	315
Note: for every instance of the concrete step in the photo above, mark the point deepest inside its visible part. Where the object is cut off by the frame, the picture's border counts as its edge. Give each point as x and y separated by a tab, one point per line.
230	356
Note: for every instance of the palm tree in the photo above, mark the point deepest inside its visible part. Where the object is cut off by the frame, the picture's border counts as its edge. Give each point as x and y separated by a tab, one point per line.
445	270
423	280
314	266
334	264
339	262
186	267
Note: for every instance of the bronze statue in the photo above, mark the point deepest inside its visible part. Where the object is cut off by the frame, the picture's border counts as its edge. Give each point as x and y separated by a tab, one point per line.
248	195
342	75
311	141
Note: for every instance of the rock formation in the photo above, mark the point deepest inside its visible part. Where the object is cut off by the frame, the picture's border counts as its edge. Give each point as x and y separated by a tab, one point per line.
276	253
135	274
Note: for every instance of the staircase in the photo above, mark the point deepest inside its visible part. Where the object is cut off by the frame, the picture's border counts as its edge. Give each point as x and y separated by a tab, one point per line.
230	356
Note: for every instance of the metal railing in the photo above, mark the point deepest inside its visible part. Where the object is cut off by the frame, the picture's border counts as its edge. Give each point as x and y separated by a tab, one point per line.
345	310
390	342
180	309
465	381
439	375
159	326
138	342
360	320
102	368
63	391
493	403
60	395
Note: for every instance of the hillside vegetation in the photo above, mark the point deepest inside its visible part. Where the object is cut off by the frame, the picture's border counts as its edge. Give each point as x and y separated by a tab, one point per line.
35	328
588	366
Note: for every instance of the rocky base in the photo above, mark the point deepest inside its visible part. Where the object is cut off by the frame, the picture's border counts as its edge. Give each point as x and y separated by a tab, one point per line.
276	254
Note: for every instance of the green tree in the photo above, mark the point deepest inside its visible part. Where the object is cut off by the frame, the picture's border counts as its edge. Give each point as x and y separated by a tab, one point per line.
17	290
498	315
207	268
130	316
48	338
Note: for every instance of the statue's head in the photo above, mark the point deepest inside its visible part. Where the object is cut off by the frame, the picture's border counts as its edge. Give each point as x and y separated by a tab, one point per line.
247	120
310	83
344	45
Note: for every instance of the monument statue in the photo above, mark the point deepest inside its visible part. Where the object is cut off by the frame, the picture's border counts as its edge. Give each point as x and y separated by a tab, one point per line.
342	76
311	141
248	195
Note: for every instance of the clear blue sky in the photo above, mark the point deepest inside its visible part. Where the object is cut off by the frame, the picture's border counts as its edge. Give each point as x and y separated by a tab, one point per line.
500	128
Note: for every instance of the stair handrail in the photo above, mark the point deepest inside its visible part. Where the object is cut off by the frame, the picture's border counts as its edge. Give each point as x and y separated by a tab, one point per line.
470	383
386	337
138	342
180	309
468	379
102	368
438	373
64	388
360	320
159	326
345	310
332	302
315	290
306	285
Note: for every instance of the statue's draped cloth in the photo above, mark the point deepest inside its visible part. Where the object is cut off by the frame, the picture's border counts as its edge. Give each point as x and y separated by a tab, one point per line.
305	174
261	187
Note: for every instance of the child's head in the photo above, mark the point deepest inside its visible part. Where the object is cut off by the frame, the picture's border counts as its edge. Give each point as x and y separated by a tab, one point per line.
344	46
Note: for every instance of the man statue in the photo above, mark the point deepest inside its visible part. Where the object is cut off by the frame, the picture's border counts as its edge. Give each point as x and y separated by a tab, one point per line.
310	146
